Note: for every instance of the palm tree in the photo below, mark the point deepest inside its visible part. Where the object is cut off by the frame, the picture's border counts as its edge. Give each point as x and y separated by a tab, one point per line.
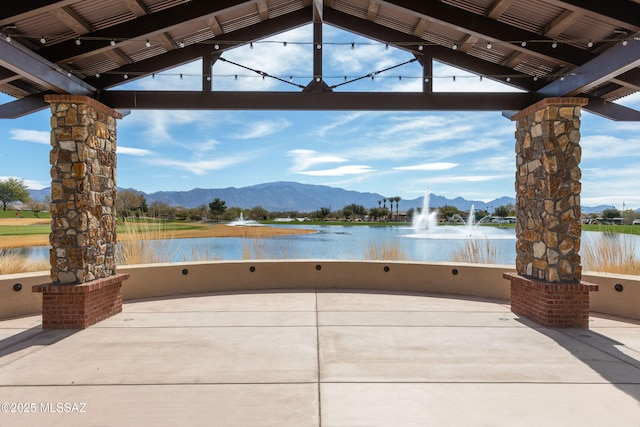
379	203
398	198
384	199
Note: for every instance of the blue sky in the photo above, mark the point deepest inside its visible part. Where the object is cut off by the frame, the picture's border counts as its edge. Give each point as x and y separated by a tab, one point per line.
467	154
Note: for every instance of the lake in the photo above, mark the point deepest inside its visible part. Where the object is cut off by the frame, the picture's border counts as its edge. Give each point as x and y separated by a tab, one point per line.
337	242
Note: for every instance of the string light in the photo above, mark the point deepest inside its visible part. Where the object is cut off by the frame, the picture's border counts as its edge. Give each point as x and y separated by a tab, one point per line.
97	75
624	42
112	42
181	44
43	40
126	76
489	46
589	43
554	45
148	43
8	38
523	44
455	46
216	46
78	42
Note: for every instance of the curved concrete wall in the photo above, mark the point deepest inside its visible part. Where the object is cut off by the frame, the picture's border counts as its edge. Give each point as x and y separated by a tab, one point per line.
162	280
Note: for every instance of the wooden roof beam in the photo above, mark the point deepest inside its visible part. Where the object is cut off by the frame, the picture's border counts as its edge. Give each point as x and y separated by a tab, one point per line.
136	7
422	26
561	23
72	20
263	9
372	10
498	8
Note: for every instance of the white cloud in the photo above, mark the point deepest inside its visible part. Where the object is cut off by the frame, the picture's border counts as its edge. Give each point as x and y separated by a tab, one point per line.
597	147
439	166
30	183
340	171
262	128
455	179
201	167
304	159
37	136
205	146
139	152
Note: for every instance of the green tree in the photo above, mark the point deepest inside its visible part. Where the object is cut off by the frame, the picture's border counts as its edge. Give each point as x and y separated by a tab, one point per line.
217	207
13	190
448	211
611	213
397	200
130	201
322	213
258	212
502	211
354	210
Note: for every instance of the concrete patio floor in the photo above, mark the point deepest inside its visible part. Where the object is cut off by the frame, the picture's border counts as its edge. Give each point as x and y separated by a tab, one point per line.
326	358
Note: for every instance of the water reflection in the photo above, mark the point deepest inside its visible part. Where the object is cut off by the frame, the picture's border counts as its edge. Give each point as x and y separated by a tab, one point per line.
329	242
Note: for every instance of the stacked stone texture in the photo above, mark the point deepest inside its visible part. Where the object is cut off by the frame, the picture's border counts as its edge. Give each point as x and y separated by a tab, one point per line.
83	190
548	225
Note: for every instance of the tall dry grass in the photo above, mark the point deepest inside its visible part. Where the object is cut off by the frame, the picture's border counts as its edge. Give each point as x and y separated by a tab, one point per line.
385	250
610	253
11	263
273	248
477	251
146	243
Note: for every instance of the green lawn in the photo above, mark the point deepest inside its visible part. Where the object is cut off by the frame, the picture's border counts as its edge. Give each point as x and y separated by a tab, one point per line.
23	230
11	213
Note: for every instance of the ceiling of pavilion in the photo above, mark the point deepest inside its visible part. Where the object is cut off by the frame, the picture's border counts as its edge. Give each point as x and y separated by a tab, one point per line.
586	48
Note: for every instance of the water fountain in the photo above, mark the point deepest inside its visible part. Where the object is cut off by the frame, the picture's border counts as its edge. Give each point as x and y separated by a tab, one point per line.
425	226
241	222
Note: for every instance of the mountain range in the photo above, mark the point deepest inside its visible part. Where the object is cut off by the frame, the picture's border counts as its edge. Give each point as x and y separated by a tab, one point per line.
296	197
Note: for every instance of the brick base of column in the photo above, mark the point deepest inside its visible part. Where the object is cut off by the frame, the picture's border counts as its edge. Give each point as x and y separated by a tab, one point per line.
554	305
67	306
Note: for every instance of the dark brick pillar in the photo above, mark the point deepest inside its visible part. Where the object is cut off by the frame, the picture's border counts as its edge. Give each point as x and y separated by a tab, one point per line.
85	287
547	286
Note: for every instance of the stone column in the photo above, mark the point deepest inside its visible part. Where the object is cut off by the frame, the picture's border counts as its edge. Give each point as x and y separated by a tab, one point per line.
547	287
85	287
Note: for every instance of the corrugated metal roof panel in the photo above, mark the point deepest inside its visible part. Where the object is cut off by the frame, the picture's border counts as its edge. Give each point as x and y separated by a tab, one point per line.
282	7
47	25
585	29
531	15
357	8
104	13
478	6
239	17
158	5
